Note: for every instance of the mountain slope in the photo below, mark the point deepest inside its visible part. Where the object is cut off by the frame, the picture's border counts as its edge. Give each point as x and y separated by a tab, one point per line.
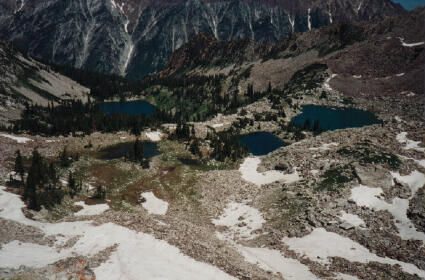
23	79
372	58
135	38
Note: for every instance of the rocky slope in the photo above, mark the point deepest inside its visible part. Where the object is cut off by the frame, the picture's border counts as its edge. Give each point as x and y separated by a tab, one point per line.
135	38
23	79
378	58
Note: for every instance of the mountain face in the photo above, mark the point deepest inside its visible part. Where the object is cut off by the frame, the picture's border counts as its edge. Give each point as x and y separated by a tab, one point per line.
136	37
25	80
383	57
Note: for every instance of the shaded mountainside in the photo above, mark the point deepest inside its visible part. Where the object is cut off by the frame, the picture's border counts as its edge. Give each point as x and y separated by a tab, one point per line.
373	58
25	80
135	38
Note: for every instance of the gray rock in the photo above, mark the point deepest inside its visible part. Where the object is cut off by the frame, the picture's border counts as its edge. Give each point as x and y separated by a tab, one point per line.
373	176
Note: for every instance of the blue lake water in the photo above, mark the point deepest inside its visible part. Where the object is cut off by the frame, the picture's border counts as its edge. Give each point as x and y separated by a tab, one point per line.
129	107
120	150
335	118
261	143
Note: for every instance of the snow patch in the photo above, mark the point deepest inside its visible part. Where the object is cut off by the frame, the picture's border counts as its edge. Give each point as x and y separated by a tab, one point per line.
351	219
404	44
136	254
342	276
368	197
410	144
273	260
241	220
320	244
216	125
357	76
154	136
153	204
399	75
20	140
96	209
324	147
249	173
326	83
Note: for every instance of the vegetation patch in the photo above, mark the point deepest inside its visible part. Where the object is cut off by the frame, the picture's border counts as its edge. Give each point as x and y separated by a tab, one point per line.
334	179
366	153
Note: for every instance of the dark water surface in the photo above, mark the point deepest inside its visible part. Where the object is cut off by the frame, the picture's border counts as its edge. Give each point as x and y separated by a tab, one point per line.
261	143
331	118
129	107
150	149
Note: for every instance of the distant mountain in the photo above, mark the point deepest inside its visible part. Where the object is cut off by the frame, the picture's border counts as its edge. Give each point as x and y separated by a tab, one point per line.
136	37
381	57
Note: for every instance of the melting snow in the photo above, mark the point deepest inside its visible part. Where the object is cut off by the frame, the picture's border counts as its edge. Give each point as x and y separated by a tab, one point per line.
410	144
137	253
352	219
273	260
90	209
357	76
399	75
241	220
154	136
365	196
154	205
410	44
326	83
216	125
324	147
249	173
342	276
321	244
16	138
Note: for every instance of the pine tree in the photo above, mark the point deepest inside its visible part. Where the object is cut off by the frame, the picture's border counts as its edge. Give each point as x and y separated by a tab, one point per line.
138	151
64	158
19	167
72	185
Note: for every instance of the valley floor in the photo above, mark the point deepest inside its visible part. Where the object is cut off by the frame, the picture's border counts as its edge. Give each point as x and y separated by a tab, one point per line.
268	217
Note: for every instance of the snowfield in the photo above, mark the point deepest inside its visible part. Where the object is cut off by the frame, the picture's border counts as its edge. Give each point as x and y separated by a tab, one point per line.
368	197
241	220
249	173
410	144
137	254
273	260
320	244
20	140
90	209
153	204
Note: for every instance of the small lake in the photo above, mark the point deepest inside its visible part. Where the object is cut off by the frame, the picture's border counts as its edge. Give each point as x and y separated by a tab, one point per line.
331	118
120	150
129	107
261	143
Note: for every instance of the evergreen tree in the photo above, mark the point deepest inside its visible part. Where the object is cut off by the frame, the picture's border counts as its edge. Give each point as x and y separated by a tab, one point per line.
64	158
19	167
72	185
138	151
